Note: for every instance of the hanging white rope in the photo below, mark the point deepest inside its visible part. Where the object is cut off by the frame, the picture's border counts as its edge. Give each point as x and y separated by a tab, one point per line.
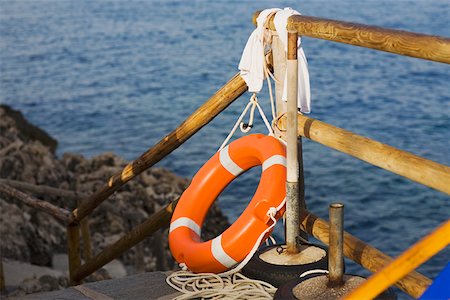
245	127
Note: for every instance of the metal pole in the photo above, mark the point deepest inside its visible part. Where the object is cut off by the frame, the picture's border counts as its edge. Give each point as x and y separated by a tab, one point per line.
372	259
292	202
336	247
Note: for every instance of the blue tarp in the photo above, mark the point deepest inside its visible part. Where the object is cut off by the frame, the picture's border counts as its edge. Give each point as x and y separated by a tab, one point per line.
440	288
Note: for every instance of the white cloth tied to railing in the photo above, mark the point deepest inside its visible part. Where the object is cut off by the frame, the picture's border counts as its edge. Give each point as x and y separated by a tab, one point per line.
252	61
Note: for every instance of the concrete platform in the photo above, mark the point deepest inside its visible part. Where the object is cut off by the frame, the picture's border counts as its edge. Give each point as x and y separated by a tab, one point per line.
142	286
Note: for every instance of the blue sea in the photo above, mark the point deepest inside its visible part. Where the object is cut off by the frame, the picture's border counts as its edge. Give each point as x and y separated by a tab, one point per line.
119	75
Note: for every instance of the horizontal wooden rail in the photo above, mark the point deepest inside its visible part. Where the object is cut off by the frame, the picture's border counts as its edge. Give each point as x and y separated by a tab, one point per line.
405	263
202	116
156	221
414	284
43	190
57	212
429	47
400	162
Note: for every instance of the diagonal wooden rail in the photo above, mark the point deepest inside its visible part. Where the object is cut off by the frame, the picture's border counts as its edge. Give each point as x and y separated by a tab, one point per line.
202	116
43	190
158	220
418	169
429	47
57	212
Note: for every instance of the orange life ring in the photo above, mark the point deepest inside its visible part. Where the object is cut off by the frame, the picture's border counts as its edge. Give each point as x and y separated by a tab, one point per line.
235	243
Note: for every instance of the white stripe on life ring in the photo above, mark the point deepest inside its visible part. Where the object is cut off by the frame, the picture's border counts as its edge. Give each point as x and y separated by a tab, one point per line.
219	254
274	160
228	163
185	222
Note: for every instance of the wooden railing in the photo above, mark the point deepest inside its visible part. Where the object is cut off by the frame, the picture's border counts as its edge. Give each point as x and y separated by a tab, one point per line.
418	169
429	47
403	163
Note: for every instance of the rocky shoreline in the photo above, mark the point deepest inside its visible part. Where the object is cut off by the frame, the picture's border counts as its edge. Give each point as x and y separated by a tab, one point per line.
27	154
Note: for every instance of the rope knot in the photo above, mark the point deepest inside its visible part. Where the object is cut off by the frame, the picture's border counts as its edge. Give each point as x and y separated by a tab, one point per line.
272	212
183	266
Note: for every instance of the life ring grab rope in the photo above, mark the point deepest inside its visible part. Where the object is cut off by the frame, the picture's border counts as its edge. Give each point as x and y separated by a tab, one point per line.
253	103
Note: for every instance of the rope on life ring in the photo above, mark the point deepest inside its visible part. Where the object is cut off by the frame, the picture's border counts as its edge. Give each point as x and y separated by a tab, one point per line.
255	223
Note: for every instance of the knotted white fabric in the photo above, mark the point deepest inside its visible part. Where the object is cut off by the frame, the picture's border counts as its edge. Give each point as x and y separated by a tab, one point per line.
252	62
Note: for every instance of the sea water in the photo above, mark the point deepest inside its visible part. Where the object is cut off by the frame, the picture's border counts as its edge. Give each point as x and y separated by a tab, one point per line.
119	75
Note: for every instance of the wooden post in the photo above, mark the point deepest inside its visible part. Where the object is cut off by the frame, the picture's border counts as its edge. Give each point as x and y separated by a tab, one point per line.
202	116
405	263
292	202
279	71
73	250
414	284
85	236
335	251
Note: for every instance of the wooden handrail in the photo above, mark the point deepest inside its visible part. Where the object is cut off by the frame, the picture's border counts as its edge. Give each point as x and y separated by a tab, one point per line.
202	116
414	284
57	212
416	168
405	263
43	190
429	47
158	220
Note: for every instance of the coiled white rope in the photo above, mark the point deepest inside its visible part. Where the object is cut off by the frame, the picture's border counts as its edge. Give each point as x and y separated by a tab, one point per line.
213	286
226	285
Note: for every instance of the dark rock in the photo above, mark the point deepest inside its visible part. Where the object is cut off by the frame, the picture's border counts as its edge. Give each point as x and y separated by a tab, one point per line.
49	283
32	236
29	286
63	281
28	132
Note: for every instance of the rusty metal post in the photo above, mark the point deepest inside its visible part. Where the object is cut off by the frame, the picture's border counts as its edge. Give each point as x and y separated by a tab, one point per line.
336	246
292	190
73	250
